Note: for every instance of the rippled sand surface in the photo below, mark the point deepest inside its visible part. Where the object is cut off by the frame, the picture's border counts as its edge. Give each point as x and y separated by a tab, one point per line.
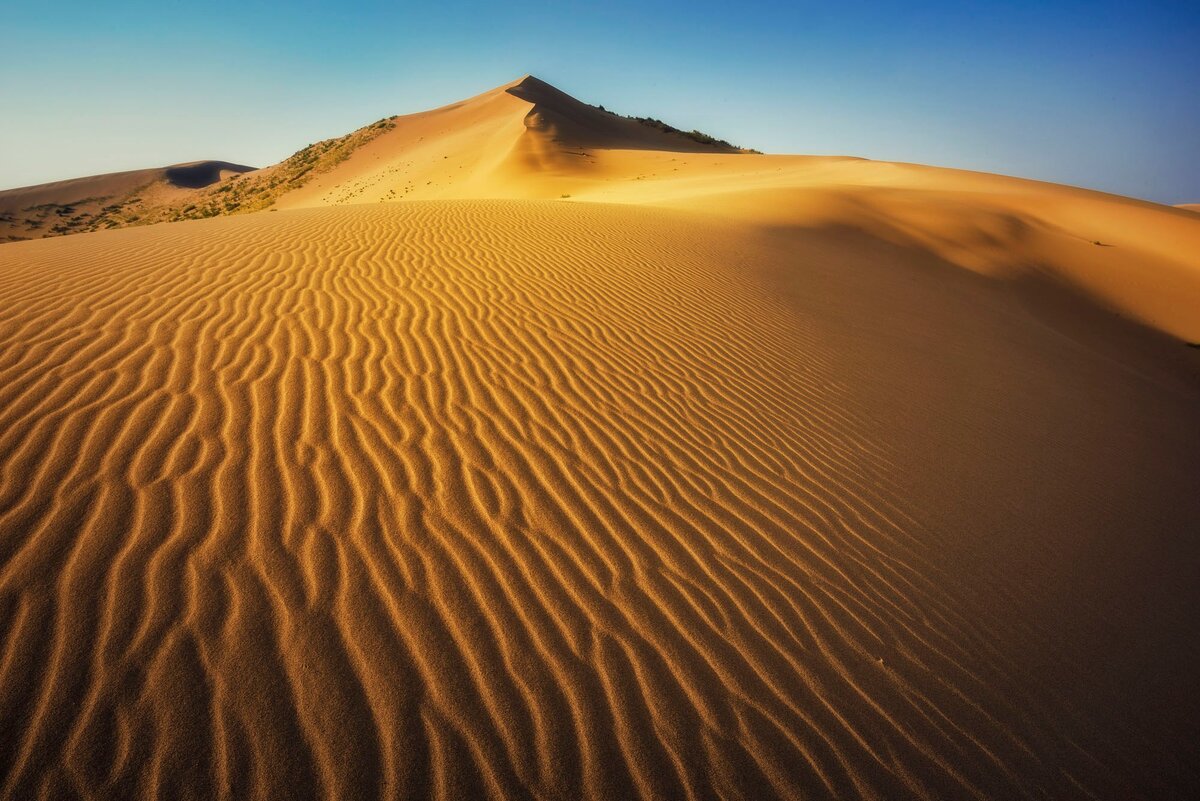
531	499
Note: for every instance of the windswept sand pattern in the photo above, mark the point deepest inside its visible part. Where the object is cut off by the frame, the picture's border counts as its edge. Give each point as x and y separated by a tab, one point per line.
500	499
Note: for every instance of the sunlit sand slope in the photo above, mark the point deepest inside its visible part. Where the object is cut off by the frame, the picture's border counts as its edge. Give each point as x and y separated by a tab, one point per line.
527	139
510	499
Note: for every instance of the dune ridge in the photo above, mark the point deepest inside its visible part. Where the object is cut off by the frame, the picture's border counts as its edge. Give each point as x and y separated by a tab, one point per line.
507	499
529	140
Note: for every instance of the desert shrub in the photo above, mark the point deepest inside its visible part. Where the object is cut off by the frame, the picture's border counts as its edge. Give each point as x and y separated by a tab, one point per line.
696	136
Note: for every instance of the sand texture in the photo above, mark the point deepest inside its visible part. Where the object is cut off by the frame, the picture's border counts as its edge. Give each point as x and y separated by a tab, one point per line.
659	493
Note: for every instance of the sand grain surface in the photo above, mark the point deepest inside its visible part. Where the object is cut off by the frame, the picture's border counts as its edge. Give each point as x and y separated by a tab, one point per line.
531	498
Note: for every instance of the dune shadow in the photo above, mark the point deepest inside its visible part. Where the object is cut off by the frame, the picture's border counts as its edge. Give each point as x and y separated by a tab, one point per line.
201	173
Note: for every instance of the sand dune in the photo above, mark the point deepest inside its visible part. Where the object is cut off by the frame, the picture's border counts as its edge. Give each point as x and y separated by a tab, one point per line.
686	494
528	140
103	201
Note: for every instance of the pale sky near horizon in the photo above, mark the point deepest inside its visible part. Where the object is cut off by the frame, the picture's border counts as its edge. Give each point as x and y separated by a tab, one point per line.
1102	94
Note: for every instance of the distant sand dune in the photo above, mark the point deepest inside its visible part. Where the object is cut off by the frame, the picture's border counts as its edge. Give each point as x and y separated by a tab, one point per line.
98	202
508	499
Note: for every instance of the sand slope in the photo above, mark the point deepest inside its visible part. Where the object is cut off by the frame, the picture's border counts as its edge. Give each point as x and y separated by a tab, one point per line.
528	140
727	476
538	499
103	201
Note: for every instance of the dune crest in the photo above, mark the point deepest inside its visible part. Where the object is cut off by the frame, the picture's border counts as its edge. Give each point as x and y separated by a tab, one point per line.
529	140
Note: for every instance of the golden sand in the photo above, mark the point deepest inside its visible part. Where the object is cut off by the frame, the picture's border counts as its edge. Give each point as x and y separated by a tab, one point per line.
781	478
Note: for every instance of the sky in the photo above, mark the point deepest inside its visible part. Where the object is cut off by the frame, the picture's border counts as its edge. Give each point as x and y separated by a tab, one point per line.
1099	94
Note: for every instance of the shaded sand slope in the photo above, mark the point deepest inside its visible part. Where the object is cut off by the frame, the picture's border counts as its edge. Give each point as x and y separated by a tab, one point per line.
1139	259
471	499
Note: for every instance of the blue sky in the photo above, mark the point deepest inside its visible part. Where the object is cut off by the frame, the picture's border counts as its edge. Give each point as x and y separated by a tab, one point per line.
1102	94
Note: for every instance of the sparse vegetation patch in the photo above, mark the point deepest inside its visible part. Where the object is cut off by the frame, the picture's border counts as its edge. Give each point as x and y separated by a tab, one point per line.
696	136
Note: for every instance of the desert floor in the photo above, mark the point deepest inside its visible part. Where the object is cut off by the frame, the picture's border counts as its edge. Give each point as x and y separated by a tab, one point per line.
754	477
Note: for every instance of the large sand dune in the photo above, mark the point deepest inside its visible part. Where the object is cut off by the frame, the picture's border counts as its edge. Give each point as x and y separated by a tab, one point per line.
755	494
528	140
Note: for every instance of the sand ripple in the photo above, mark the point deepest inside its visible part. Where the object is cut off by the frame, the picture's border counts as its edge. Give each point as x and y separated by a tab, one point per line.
486	499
